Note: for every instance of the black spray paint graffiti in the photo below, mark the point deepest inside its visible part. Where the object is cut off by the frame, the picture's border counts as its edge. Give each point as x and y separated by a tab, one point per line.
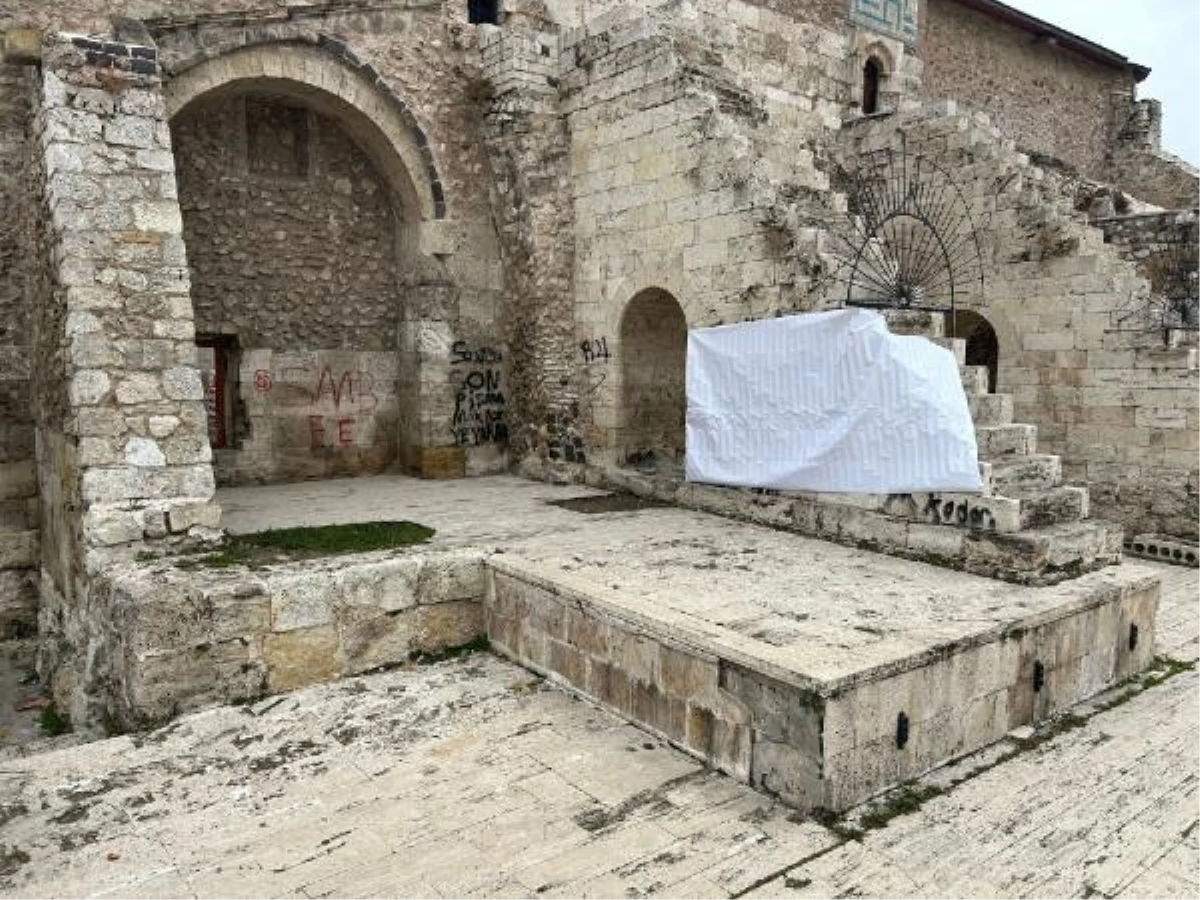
478	397
595	351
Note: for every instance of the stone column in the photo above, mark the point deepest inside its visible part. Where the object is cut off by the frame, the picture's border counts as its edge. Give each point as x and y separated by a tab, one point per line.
128	444
529	150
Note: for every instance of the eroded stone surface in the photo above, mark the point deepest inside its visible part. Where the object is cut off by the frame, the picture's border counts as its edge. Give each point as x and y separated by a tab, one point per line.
467	778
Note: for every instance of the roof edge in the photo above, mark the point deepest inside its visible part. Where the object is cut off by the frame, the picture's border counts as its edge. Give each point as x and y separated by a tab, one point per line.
1046	30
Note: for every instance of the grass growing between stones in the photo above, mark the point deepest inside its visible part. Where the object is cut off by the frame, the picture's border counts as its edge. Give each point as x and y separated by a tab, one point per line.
282	544
52	722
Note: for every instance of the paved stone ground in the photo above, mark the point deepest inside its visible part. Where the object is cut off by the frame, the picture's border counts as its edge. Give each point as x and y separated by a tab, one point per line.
471	512
473	778
465	778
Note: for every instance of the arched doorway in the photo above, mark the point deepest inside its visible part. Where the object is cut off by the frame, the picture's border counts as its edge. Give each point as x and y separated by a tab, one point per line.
299	214
653	351
983	348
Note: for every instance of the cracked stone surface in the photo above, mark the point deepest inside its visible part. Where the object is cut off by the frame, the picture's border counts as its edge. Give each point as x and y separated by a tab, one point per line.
473	778
469	777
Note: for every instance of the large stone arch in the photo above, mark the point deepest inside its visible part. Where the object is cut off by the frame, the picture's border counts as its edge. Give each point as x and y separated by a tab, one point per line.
330	79
348	397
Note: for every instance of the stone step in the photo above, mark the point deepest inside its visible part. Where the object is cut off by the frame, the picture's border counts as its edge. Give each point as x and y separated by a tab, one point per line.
1037	471
990	409
907	321
957	346
974	379
990	540
1039	508
1006	440
1043	555
993	512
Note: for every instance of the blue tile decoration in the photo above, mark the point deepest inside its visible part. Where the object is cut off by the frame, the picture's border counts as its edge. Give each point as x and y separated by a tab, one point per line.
894	18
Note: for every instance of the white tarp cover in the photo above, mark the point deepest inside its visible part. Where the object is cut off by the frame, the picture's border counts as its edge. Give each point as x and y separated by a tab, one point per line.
828	401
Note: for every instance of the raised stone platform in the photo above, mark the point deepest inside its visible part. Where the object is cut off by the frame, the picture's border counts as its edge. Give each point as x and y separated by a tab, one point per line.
815	672
785	661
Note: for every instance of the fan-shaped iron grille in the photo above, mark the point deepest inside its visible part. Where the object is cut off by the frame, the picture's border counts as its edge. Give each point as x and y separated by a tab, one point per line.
908	241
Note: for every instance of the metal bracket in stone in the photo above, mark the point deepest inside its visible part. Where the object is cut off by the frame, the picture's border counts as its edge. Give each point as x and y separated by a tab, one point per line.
1164	548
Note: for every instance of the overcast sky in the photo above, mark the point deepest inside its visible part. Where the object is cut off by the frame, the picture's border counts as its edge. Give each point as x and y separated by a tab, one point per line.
1161	34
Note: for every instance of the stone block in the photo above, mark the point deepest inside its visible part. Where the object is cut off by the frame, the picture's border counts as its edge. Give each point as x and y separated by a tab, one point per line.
182	516
390	585
450	576
687	676
22	46
110	526
567	662
371	637
17	479
445	626
441	462
87	387
18	549
144	453
302	657
589	633
303	600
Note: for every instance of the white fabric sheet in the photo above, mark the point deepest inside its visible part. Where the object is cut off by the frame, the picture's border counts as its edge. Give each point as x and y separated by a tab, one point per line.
828	401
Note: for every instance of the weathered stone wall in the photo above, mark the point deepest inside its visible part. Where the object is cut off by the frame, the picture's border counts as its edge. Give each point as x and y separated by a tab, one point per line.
22	283
1162	245
530	189
291	239
1138	163
1046	98
400	84
1118	406
681	134
177	640
292	246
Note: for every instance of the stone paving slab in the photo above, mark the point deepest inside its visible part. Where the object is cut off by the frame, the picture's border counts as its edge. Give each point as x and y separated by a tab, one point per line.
475	512
466	778
1109	809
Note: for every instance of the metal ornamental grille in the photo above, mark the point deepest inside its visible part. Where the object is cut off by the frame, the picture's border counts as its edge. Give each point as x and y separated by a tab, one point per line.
908	241
1173	302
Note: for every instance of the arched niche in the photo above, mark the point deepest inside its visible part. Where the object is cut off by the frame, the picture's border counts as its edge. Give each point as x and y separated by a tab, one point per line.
303	190
983	346
653	356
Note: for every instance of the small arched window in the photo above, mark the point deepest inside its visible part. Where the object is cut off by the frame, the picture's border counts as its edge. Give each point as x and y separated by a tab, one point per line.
870	96
483	12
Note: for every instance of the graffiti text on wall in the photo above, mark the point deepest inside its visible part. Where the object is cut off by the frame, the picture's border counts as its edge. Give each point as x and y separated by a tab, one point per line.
478	396
322	436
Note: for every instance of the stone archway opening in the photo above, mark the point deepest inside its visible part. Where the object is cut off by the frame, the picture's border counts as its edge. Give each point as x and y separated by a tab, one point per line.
302	212
292	242
983	347
653	406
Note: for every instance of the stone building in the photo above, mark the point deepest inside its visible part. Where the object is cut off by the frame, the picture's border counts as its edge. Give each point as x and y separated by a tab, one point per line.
252	242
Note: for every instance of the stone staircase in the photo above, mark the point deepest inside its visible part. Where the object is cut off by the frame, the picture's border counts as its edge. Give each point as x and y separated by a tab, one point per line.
1025	526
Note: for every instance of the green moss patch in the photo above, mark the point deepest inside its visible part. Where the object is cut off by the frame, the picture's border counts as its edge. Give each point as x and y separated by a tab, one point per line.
283	544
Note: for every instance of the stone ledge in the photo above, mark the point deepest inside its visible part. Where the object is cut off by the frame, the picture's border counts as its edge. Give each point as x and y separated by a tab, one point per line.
812	735
181	639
